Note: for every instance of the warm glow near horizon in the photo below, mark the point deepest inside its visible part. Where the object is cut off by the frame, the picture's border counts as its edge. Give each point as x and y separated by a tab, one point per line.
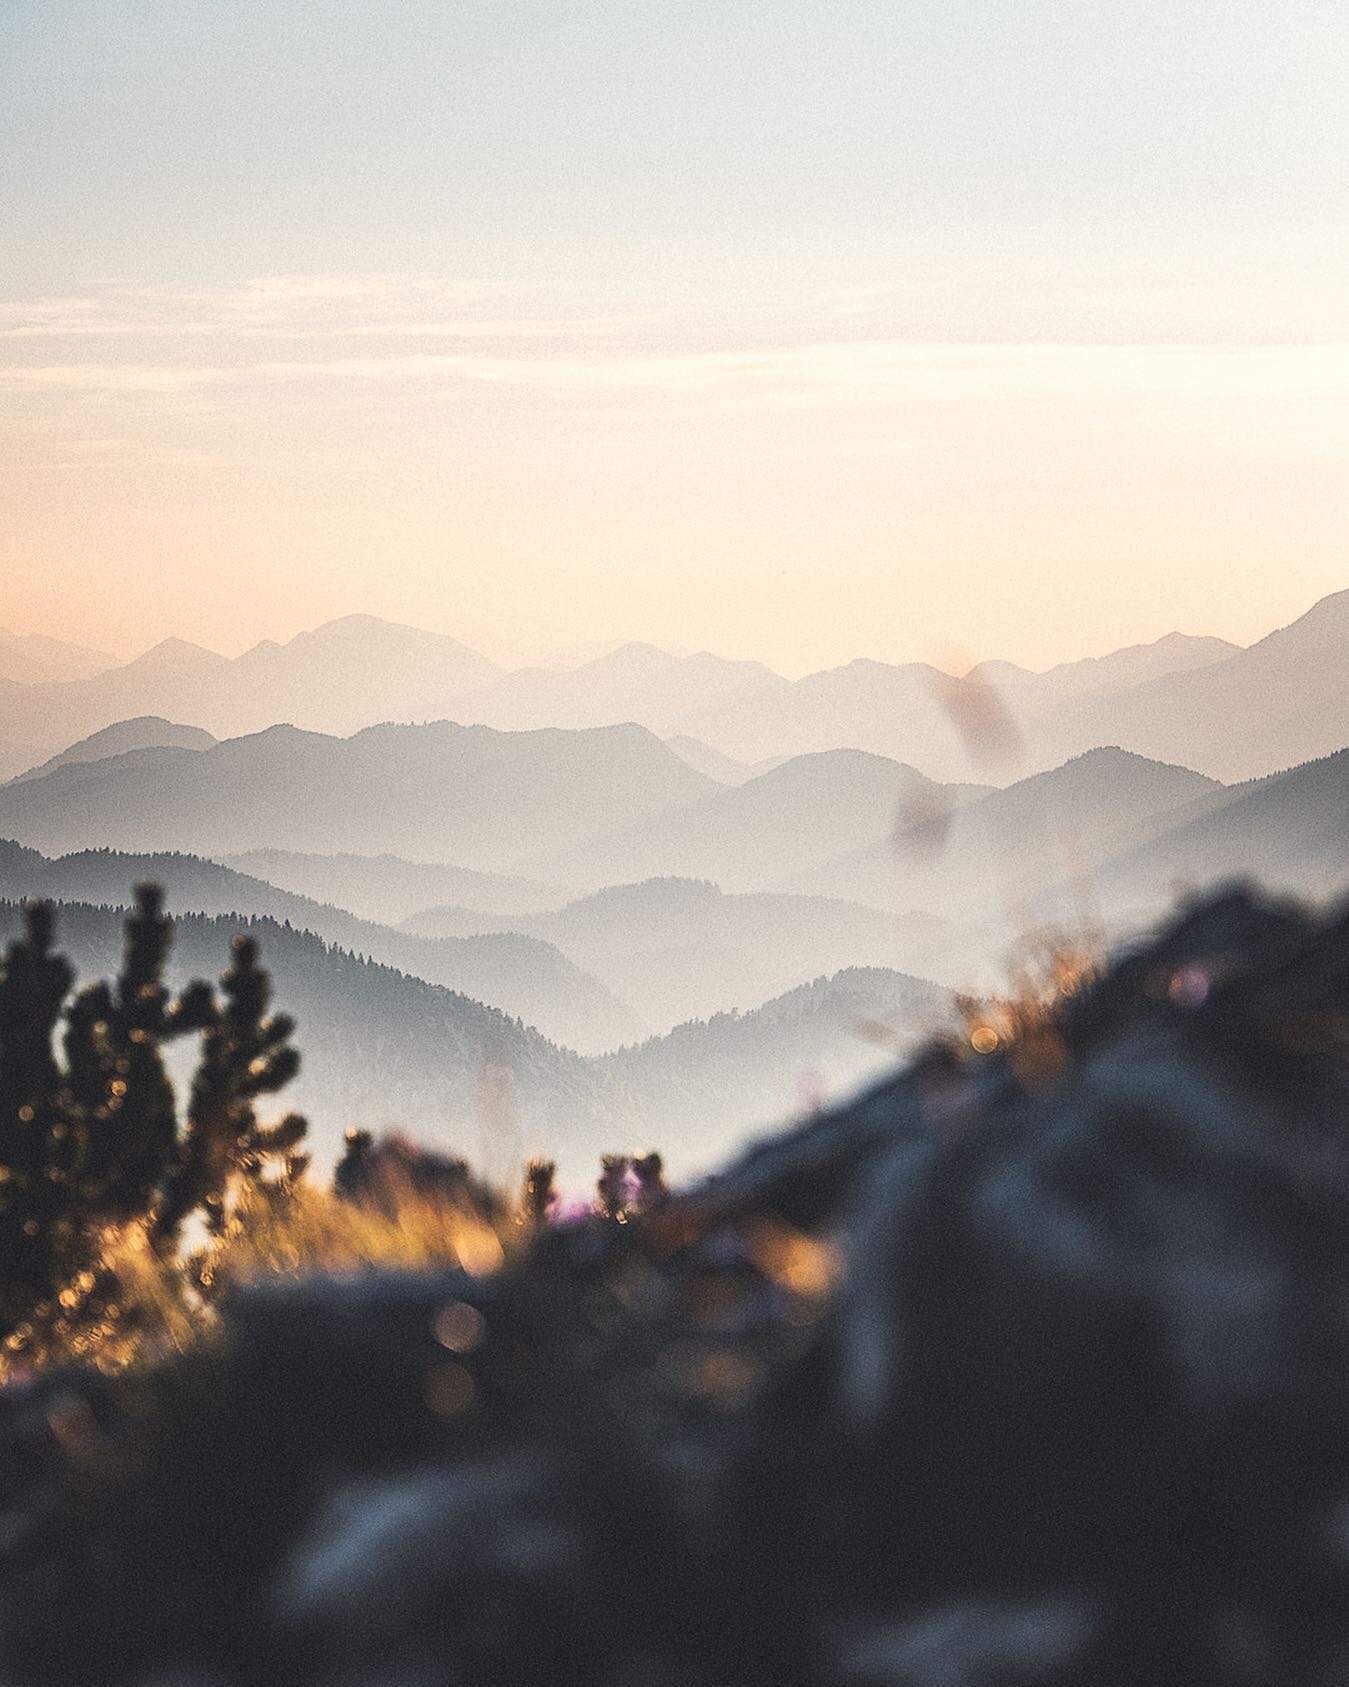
887	331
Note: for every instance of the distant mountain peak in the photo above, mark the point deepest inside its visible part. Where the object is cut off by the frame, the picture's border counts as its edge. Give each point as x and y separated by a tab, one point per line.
174	646
642	653
1176	641
360	630
999	671
662	888
140	732
177	655
1104	754
143	721
43	641
1167	643
844	756
635	655
356	621
283	735
346	626
1113	761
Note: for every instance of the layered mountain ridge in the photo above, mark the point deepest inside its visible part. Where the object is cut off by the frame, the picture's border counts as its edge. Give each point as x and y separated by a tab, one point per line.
1197	701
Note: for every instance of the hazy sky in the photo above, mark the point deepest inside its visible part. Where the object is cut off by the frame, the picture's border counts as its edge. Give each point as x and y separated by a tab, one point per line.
797	330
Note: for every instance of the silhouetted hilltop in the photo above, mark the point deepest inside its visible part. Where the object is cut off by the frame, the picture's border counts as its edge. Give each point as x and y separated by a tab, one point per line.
805	1048
775	824
145	732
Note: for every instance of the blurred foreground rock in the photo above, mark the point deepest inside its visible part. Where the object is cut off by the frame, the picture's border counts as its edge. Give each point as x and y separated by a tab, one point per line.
1030	1370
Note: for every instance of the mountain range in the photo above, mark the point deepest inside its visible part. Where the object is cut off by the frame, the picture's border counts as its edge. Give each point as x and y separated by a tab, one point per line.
347	674
1283	701
1227	712
524	975
634	682
599	972
390	889
1195	701
468	795
676	949
1011	845
1135	664
615	812
1108	838
772	825
1289	830
33	658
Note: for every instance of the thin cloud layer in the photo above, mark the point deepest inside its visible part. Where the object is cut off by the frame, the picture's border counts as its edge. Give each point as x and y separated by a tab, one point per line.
897	370
697	469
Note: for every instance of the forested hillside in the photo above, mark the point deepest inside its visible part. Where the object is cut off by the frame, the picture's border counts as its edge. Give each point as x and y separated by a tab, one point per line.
523	975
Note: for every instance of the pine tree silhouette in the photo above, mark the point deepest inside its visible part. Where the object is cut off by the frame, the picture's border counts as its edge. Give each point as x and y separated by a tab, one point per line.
94	1139
37	1150
245	1055
118	1085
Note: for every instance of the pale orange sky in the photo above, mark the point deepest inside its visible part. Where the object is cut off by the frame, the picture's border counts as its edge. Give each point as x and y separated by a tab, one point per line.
944	329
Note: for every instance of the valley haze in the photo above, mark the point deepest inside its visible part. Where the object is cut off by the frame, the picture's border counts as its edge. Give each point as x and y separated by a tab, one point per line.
675	895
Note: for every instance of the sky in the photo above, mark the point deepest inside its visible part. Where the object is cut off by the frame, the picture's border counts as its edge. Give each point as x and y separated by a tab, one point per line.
933	330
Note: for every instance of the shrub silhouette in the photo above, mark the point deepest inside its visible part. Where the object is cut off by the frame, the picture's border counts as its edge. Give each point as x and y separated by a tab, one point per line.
94	1139
387	1177
540	1192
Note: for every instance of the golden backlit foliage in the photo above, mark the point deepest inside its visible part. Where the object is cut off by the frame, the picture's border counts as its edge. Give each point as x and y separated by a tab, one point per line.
135	1305
1048	966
